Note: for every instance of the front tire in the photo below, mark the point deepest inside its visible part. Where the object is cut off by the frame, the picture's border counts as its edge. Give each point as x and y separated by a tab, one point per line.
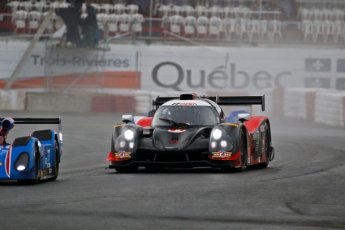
36	179
242	156
127	169
243	148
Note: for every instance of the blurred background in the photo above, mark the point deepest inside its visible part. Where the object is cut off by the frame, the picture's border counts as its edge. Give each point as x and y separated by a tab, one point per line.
116	56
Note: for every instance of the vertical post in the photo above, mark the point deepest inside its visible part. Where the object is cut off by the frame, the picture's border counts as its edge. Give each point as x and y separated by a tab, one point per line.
260	10
136	69
151	10
28	50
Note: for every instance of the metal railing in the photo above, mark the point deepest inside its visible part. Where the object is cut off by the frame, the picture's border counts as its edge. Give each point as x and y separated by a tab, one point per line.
235	30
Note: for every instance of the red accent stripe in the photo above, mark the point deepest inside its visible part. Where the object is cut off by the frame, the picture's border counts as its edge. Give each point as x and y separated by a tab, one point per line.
8	160
111	157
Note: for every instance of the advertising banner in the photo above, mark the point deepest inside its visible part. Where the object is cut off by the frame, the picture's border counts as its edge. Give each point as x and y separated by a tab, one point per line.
164	68
239	68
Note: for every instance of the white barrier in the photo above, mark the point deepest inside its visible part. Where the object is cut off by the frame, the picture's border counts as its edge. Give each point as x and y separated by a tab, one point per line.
12	100
329	108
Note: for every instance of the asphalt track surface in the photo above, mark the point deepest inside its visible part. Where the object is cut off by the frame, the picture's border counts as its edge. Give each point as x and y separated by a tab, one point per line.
303	188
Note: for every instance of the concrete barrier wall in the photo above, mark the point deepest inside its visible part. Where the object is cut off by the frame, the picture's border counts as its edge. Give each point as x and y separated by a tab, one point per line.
312	104
329	108
12	100
51	101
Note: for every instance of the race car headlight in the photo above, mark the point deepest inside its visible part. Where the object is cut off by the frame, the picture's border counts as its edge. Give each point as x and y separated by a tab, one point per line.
223	144
122	144
22	162
21	168
129	135
217	134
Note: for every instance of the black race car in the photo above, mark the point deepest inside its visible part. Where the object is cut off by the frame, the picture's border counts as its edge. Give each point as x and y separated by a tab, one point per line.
192	131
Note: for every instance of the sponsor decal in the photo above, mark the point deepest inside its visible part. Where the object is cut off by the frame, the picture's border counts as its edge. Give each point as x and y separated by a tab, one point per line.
172	130
262	128
45	161
48	165
233	124
122	154
259	159
50	170
320	82
248	160
79	61
184	104
263	144
222	77
317	65
221	154
341	65
257	142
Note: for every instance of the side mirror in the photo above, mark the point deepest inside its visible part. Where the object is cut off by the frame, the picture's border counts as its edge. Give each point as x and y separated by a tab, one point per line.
127	118
243	117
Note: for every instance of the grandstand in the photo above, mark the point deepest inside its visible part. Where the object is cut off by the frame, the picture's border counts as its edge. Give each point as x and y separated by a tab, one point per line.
196	21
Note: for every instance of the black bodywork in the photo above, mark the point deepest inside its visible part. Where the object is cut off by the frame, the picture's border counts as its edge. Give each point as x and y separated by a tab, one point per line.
181	144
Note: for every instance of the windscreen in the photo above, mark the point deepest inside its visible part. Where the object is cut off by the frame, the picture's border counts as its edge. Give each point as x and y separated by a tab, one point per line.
191	115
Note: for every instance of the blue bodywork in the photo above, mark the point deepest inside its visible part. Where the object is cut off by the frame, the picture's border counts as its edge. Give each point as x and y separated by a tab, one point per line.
46	151
34	157
233	116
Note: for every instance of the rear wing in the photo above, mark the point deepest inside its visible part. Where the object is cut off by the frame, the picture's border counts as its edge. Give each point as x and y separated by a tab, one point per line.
239	100
161	100
38	121
220	100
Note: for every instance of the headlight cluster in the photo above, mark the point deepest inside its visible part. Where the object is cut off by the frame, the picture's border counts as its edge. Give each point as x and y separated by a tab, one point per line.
127	141
220	141
217	134
129	134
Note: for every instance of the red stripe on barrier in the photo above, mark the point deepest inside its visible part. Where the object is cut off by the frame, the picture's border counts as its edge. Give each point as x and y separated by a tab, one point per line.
102	103
310	105
124	103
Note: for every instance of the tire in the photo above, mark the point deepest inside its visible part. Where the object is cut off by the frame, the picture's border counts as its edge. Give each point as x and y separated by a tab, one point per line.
57	163
36	180
127	169
242	150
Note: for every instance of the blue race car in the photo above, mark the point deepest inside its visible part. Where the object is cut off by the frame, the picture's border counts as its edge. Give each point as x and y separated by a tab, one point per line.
32	158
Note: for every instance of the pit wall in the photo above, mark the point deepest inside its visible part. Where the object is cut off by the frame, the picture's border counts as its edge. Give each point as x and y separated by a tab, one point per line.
312	104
